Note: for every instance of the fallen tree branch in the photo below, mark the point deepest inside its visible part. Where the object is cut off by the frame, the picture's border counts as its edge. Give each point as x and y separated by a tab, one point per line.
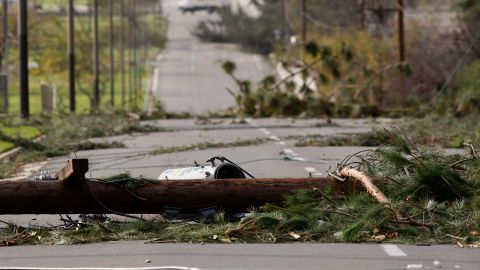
373	190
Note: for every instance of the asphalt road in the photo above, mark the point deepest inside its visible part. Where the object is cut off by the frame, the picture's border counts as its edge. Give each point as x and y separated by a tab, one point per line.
189	77
241	256
262	160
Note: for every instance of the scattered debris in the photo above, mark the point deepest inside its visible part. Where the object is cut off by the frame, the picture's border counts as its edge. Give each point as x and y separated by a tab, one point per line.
294	235
399	193
208	145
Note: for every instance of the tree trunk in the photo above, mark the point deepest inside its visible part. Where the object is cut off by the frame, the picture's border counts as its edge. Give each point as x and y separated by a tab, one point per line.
55	197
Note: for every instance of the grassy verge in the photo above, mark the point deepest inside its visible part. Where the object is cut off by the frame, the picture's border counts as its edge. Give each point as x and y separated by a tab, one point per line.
68	133
24	132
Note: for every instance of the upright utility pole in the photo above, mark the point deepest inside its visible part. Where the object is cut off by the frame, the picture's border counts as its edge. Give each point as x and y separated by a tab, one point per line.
304	21
286	24
135	53
363	16
131	33
23	57
71	54
5	56
401	31
122	50
110	47
95	55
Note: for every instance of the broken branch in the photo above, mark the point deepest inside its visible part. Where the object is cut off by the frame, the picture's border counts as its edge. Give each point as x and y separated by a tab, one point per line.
373	190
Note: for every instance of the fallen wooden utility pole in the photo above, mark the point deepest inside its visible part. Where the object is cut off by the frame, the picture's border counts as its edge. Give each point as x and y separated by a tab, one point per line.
58	197
72	193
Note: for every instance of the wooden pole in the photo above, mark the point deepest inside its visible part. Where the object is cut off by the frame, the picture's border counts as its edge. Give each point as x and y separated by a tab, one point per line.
111	56
58	197
95	56
5	72
131	32
122	50
304	21
363	16
401	30
71	54
135	53
23	57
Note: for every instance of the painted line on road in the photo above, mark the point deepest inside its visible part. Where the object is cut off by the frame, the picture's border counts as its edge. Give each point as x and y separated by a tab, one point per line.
265	131
393	250
102	268
274	138
277	140
313	172
257	63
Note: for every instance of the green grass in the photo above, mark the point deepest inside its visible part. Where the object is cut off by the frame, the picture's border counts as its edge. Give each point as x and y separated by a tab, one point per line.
26	132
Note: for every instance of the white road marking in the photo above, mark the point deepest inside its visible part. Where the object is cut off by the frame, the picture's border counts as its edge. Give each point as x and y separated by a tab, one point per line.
393	250
274	138
299	159
257	63
414	266
281	143
310	169
265	131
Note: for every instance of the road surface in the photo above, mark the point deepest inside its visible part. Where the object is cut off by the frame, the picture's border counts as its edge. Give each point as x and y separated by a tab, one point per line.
242	256
189	77
263	160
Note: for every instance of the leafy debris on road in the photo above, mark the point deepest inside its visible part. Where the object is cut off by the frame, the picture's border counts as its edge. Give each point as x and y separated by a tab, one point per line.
430	198
372	138
208	145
